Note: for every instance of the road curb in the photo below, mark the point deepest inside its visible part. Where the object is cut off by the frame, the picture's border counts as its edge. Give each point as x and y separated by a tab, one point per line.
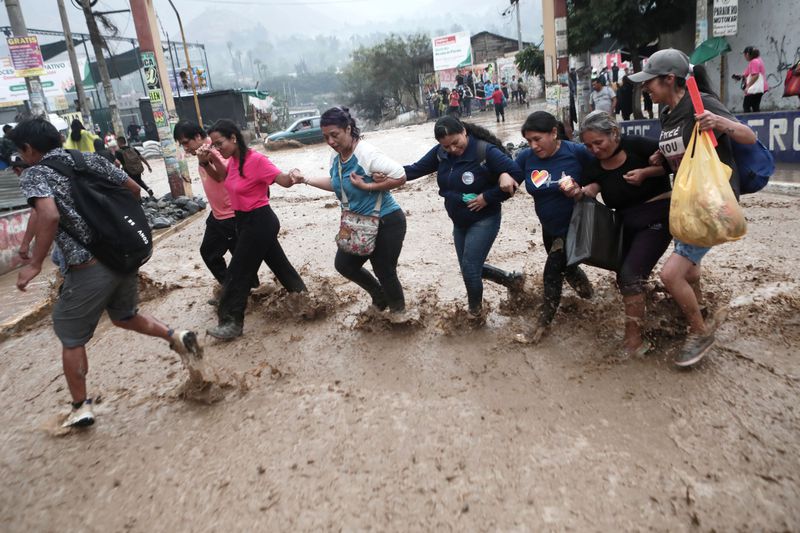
38	310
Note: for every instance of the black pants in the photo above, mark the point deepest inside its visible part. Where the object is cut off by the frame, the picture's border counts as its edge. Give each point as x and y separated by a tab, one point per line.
752	102
499	111
138	179
645	238
219	238
386	290
257	240
555	272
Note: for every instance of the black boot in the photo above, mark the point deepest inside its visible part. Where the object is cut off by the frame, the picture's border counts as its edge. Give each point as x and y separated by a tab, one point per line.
511	280
579	282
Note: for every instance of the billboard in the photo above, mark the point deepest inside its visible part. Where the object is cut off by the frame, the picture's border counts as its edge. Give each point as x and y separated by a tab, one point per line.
26	56
56	80
452	51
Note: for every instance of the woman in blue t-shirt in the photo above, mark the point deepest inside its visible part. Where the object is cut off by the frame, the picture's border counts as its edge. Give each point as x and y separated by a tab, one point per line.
352	170
543	164
471	165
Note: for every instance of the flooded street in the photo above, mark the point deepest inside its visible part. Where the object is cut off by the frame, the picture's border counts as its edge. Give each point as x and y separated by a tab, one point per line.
331	420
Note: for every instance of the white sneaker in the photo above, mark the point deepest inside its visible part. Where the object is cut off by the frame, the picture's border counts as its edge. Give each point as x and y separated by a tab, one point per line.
80	417
185	342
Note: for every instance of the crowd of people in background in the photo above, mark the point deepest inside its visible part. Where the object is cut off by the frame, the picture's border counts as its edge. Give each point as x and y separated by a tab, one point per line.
476	93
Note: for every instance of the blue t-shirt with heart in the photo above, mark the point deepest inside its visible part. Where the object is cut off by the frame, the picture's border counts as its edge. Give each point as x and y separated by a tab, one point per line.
541	176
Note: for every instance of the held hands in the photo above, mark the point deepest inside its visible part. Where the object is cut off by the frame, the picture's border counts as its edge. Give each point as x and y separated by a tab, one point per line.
635	177
203	154
358	182
508	184
477	203
657	159
297	177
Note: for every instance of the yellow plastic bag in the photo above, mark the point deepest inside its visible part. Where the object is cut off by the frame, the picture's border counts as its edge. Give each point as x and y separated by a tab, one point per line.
703	210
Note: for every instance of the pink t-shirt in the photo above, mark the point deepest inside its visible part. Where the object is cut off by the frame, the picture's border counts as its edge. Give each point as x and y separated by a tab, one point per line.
251	191
215	190
756	66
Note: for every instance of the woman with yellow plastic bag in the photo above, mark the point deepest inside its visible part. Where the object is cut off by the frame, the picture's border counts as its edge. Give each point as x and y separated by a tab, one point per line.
664	79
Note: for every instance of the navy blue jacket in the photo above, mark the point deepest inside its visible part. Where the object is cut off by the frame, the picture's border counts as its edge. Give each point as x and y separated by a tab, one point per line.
465	174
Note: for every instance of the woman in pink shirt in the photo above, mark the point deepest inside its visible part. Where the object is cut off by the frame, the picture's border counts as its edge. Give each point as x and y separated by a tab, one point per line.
755	80
249	175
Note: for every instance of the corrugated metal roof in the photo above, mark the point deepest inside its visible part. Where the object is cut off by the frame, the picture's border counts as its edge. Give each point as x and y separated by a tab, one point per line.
10	195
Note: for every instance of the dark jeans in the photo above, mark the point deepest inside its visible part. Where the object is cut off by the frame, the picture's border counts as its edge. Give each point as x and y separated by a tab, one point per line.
645	238
138	179
468	106
555	272
386	290
473	243
257	240
752	102
219	238
499	111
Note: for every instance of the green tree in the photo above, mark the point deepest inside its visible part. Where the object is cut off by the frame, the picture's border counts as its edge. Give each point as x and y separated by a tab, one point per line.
384	78
633	23
530	61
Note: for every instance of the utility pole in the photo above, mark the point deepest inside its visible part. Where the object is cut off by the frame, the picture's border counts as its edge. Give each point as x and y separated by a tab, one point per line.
83	101
97	44
36	99
519	26
144	20
189	66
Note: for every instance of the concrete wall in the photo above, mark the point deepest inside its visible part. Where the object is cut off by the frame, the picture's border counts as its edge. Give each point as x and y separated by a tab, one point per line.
772	27
12	229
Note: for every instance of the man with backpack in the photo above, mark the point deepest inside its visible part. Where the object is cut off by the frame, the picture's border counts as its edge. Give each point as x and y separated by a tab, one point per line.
133	163
86	207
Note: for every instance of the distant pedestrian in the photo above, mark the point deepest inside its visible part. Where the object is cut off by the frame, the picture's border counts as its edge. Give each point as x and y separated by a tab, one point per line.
467	101
499	100
454	107
602	97
514	87
625	98
78	138
101	150
754	80
133	163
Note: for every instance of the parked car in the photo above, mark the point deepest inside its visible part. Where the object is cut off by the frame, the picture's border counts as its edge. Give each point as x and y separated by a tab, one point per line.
305	130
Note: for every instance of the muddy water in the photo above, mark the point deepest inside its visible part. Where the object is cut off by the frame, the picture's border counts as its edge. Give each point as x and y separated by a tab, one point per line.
331	419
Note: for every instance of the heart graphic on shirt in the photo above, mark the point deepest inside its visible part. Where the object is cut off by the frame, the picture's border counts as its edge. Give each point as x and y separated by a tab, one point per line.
539	177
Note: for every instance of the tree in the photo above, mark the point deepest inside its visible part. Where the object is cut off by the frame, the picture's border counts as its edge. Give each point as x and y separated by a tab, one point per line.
633	23
385	77
530	61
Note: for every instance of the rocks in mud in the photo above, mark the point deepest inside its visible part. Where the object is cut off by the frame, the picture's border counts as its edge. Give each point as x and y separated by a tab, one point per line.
165	211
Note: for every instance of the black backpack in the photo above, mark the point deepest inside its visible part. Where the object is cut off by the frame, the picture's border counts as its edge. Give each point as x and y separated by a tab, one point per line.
121	236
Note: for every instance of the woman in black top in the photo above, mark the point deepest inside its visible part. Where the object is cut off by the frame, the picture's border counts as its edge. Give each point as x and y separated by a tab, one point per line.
640	193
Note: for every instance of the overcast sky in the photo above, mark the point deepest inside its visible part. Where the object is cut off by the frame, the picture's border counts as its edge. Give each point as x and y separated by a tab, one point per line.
310	17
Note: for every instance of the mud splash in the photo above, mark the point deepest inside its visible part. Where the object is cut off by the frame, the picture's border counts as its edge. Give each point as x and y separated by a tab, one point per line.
317	303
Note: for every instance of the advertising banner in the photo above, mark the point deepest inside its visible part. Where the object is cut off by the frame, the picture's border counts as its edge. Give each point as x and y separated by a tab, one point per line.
725	17
56	81
452	51
26	56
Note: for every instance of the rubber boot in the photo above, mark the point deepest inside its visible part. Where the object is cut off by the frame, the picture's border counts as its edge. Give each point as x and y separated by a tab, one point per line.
579	282
511	280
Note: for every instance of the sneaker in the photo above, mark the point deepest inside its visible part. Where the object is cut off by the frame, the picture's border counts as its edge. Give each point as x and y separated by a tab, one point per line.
226	331
628	353
185	342
405	316
694	349
80	417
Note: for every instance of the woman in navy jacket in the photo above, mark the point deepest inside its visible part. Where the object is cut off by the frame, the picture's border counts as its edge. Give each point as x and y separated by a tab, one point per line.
471	166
